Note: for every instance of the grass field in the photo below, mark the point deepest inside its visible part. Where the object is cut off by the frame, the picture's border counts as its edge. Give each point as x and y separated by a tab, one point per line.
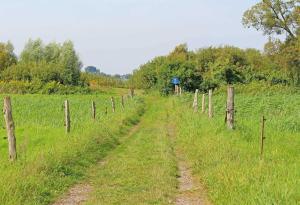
227	162
143	169
49	160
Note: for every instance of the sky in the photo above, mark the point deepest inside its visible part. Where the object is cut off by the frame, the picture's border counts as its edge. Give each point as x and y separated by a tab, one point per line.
117	36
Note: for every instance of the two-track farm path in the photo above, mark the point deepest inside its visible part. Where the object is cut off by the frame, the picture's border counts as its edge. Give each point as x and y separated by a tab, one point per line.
144	169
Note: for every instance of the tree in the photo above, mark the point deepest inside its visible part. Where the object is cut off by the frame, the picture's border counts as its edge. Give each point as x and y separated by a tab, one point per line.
274	16
92	69
33	51
7	56
70	63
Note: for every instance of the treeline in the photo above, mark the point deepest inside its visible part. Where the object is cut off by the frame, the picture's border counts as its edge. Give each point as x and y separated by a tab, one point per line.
45	63
46	68
211	67
104	80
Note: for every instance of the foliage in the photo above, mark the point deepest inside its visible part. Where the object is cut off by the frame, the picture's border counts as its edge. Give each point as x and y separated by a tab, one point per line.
209	68
32	87
7	56
274	16
42	63
100	80
204	69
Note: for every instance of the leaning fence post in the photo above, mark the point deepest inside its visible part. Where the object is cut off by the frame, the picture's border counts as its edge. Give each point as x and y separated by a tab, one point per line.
93	110
113	104
203	103
262	137
210	105
230	107
195	104
10	128
67	116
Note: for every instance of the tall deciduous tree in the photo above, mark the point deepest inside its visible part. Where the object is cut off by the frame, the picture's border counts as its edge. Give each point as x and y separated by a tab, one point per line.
274	16
71	64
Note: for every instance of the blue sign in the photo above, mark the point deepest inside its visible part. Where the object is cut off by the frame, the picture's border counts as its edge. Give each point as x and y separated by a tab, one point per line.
175	81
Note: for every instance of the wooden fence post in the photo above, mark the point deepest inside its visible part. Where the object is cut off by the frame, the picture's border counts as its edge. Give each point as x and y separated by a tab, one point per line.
93	110
113	104
122	102
180	91
195	103
10	128
262	137
176	89
230	107
203	103
210	105
67	116
131	92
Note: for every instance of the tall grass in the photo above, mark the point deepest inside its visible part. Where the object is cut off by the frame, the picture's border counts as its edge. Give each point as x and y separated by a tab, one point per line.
49	160
227	162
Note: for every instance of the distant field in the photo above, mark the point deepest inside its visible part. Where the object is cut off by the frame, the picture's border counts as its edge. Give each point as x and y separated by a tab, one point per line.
227	162
49	160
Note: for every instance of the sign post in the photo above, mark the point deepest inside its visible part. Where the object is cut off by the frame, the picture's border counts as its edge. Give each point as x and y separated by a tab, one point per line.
176	82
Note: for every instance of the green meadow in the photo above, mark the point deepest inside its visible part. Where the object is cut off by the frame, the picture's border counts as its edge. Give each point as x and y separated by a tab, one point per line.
227	161
50	160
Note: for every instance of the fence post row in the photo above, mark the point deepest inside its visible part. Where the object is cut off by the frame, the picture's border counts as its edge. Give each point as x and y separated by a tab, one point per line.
10	128
230	107
210	105
113	104
195	103
93	110
67	117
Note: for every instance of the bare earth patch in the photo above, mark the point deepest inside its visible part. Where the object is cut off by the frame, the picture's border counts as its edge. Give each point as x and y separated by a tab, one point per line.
76	195
190	192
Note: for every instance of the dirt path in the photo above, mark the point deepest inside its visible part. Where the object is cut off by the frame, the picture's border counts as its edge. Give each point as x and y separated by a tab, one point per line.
190	190
79	193
76	195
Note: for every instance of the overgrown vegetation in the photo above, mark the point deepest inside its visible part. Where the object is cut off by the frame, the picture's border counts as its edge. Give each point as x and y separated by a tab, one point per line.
212	67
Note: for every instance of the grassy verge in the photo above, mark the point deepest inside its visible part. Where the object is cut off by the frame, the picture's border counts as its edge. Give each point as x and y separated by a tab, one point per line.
49	161
142	170
227	162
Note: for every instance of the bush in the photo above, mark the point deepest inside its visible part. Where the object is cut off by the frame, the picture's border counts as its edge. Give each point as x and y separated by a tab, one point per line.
23	87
